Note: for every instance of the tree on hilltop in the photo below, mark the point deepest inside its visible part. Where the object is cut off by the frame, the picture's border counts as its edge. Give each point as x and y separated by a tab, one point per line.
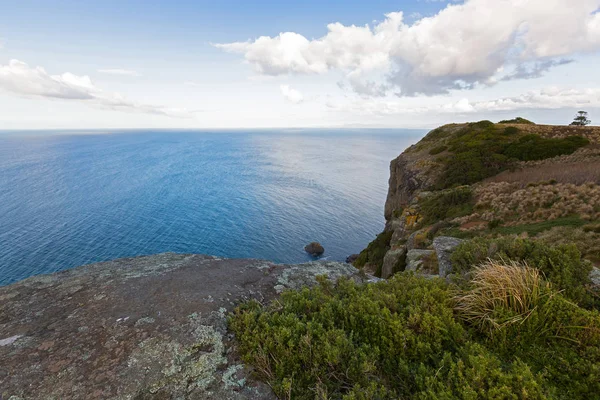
581	119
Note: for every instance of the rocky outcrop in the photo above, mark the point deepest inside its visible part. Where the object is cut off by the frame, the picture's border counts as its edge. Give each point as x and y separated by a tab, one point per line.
139	328
393	260
422	262
444	246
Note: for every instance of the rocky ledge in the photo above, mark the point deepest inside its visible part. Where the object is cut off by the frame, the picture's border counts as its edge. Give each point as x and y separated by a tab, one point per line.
139	328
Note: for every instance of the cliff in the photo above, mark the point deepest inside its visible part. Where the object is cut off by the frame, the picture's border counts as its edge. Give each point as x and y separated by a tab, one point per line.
140	328
466	180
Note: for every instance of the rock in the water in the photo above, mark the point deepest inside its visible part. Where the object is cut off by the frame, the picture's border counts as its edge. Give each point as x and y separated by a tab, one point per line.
444	247
422	262
351	258
139	328
390	260
314	249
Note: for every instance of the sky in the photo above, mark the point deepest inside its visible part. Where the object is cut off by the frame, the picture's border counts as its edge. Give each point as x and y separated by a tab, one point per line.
239	64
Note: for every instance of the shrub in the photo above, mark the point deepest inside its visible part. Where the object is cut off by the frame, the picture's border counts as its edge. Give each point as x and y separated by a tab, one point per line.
394	339
535	147
561	265
450	203
587	239
438	150
517	120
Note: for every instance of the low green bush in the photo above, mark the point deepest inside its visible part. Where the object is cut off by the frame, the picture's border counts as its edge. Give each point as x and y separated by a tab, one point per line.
438	150
562	265
538	227
517	120
394	339
450	203
535	147
403	338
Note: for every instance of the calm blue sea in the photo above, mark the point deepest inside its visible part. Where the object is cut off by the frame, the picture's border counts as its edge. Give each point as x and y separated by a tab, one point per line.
72	199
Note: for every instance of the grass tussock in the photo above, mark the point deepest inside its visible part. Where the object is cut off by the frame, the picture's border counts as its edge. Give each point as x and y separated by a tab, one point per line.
510	286
561	265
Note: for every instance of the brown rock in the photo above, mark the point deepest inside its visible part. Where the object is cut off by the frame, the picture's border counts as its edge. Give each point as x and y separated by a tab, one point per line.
314	249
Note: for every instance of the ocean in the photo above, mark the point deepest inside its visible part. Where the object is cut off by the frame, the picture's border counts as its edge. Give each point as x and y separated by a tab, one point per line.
74	198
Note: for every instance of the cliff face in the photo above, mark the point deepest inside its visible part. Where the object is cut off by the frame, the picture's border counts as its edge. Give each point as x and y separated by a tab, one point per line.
494	167
141	328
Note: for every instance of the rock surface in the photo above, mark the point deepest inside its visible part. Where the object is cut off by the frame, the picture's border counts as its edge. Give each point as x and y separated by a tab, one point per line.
416	261
444	246
139	328
390	260
314	249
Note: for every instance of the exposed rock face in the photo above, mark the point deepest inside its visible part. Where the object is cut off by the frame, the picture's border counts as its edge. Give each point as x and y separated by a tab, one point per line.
422	261
412	171
314	249
391	259
140	328
444	246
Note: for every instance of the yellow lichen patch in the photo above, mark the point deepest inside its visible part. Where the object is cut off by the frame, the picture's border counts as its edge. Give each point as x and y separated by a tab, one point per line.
411	221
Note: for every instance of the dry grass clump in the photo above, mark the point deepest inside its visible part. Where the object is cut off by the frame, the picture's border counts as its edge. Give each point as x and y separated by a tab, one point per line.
503	293
515	205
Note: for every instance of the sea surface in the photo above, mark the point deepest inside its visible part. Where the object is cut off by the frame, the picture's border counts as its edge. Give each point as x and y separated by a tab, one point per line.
74	198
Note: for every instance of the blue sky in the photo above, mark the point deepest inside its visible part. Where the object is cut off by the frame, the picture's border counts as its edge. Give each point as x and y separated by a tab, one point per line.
198	64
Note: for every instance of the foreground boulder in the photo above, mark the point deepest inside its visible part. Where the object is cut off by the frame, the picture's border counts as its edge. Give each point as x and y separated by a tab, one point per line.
314	249
139	328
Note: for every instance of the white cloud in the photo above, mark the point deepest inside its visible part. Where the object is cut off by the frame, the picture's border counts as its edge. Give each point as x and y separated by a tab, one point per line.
461	47
119	71
291	95
552	98
18	77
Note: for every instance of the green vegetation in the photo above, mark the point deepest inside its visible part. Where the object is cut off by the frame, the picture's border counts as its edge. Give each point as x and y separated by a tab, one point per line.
450	203
536	228
438	150
561	265
483	149
587	239
410	337
534	147
581	119
375	252
517	120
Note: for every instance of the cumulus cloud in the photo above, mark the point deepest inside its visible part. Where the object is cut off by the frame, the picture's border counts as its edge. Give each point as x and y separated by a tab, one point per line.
18	77
552	98
291	95
462	46
119	71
